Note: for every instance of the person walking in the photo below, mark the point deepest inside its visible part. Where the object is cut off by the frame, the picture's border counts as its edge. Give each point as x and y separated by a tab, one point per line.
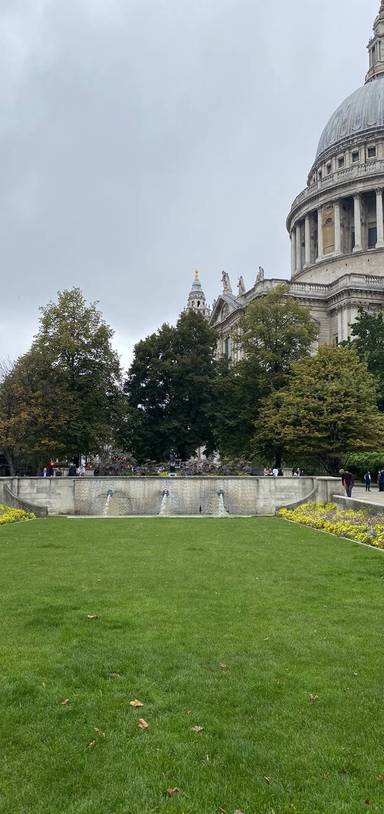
368	481
348	481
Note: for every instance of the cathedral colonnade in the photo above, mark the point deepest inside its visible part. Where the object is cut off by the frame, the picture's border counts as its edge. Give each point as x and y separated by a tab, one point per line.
352	223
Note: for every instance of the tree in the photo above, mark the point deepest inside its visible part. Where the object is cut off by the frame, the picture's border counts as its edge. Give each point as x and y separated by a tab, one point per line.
238	392
368	333
64	397
327	409
29	421
74	345
170	385
274	332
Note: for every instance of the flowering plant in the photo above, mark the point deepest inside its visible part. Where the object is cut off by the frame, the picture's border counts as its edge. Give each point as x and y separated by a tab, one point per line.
355	525
9	515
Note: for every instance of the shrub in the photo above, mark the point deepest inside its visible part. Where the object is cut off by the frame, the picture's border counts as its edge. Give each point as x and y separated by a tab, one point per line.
9	515
355	525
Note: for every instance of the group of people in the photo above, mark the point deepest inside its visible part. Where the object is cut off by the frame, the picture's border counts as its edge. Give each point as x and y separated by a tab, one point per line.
348	481
368	480
274	472
277	472
53	471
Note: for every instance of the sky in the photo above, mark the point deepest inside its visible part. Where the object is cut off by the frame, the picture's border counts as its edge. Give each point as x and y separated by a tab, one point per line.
143	139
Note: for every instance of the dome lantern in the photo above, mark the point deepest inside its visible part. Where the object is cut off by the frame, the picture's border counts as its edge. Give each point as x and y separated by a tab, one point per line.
376	47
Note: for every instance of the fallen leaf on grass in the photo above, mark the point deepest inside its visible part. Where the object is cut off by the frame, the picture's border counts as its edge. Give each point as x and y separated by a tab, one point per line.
99	732
136	704
92	616
142	724
197	729
172	791
91	745
268	780
65	702
313	698
380	778
115	675
222	810
222	665
238	811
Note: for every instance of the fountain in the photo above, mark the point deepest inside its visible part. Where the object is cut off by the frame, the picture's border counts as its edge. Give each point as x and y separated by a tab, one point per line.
222	511
107	502
164	507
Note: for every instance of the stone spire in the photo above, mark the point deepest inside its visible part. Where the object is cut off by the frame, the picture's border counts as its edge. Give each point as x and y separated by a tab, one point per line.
196	300
376	47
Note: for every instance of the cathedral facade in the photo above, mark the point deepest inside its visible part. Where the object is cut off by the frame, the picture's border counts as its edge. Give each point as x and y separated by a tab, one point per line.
335	225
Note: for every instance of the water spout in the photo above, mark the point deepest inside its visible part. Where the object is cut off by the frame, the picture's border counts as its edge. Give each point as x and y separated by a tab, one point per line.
107	503
222	511
164	506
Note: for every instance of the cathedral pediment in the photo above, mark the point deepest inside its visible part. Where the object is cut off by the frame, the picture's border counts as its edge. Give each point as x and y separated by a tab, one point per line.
225	305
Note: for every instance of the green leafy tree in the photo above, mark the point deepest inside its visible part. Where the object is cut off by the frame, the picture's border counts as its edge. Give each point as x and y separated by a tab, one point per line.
238	390
368	339
29	420
327	409
274	332
170	385
74	343
359	462
64	397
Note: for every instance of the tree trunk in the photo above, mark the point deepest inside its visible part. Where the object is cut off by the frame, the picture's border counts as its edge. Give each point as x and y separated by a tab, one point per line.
9	460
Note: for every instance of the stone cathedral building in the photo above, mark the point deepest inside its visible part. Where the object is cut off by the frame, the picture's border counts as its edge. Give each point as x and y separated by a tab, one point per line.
335	225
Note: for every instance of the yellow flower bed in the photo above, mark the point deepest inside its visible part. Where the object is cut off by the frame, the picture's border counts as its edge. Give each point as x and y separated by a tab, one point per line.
9	515
356	525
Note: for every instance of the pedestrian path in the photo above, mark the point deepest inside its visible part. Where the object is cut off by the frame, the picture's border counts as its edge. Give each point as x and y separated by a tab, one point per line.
374	497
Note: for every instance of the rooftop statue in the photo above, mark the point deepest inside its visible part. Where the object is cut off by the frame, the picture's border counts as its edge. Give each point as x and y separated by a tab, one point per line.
227	288
241	283
261	273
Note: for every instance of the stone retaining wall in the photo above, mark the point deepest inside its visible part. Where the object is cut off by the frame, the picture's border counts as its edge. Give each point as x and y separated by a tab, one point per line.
186	496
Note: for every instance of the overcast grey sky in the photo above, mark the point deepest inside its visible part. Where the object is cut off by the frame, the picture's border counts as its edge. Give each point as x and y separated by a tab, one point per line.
141	139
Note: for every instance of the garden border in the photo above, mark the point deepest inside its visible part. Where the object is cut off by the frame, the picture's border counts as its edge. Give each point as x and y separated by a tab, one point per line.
331	534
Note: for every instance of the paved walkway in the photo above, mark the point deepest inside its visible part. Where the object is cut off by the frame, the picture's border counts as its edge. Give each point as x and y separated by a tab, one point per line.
374	497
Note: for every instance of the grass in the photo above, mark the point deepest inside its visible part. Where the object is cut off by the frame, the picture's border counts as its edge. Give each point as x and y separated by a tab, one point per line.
291	613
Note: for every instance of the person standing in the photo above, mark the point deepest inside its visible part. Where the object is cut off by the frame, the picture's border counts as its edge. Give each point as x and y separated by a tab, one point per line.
381	480
347	480
368	481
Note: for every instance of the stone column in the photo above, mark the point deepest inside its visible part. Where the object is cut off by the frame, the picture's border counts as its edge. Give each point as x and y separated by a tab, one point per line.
293	251
357	216
337	228
379	219
340	325
307	242
298	247
345	324
320	244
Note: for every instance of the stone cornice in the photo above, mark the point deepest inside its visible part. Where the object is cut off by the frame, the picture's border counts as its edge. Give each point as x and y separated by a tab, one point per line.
330	260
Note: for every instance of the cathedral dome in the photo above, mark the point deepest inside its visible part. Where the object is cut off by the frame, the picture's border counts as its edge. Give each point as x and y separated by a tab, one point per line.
360	114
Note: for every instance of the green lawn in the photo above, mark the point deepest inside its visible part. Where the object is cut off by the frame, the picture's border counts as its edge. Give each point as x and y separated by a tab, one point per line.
230	625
